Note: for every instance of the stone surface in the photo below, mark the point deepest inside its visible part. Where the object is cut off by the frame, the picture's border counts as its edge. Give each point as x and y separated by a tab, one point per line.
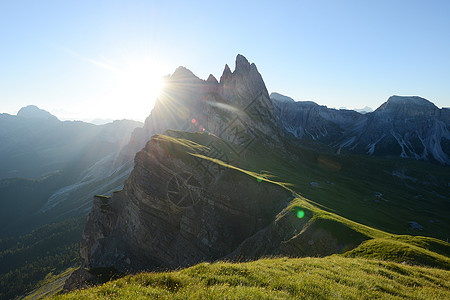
410	127
80	279
236	106
171	213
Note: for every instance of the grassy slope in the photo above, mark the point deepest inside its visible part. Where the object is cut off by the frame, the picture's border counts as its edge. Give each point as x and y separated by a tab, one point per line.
333	277
353	274
413	249
347	184
50	285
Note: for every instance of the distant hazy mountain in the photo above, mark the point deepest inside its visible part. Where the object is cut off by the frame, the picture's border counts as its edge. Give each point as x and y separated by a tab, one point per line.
101	121
34	112
55	167
364	110
402	126
35	142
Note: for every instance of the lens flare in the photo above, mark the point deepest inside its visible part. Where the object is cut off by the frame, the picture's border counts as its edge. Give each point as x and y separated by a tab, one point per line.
300	214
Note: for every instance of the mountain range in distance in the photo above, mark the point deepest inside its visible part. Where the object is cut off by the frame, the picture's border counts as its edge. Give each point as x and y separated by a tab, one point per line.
61	163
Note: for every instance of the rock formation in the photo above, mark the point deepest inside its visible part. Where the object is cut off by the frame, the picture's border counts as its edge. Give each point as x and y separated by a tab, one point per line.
237	105
173	213
171	201
410	127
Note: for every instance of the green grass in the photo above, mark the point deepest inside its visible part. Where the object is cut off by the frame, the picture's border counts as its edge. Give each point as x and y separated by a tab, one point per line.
377	264
332	277
366	241
50	285
346	183
391	249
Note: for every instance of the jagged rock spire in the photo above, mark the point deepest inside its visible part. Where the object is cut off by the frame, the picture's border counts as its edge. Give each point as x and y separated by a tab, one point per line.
242	64
212	79
226	75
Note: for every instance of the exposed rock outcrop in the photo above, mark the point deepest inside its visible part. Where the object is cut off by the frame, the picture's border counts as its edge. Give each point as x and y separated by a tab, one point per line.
237	105
173	213
410	127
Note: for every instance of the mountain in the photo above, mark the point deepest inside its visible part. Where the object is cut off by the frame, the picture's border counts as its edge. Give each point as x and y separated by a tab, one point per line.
237	107
50	169
185	202
224	175
237	110
281	98
364	110
34	112
409	127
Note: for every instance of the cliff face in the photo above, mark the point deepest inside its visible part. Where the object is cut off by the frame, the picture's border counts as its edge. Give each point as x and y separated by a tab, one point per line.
410	127
174	213
175	210
237	105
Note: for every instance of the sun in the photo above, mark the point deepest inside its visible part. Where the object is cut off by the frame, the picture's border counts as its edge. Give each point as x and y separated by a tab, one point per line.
137	86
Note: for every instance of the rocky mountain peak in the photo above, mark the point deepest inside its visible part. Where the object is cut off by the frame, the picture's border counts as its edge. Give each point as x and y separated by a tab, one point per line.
172	213
34	112
239	100
282	98
212	79
409	100
242	64
183	74
408	105
409	127
226	75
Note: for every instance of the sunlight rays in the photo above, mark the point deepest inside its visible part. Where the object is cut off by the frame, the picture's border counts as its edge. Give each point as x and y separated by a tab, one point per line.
137	86
128	88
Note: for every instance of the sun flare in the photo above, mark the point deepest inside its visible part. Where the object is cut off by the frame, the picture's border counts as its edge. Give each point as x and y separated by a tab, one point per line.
137	86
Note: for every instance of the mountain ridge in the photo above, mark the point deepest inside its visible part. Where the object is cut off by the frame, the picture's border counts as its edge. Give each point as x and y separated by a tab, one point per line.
405	126
34	112
184	202
62	164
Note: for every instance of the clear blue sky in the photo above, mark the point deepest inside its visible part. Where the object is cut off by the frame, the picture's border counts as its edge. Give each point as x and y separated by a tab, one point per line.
76	59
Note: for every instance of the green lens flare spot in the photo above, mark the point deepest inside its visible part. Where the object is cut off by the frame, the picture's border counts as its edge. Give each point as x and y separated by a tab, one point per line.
300	214
259	179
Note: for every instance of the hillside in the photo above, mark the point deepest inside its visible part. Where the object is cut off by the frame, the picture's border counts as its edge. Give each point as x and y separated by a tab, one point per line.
50	169
369	263
333	277
302	228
